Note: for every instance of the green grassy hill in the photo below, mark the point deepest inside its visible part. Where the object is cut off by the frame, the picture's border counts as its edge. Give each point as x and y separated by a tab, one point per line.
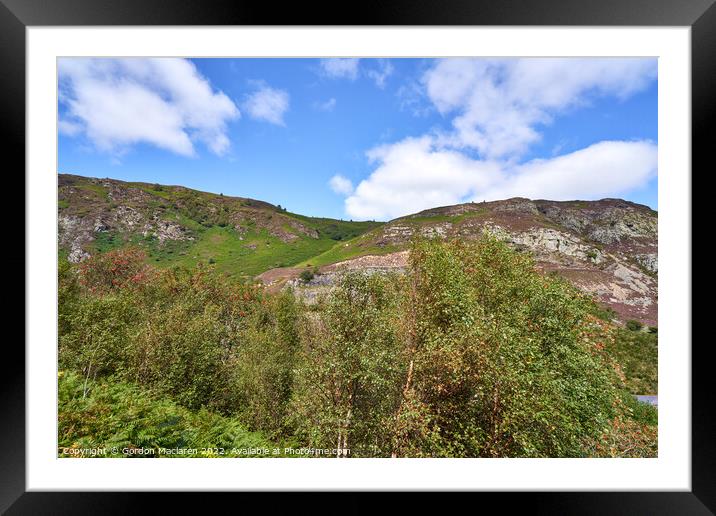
176	225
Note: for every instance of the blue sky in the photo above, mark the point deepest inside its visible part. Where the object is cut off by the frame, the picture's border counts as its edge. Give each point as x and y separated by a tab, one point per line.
369	138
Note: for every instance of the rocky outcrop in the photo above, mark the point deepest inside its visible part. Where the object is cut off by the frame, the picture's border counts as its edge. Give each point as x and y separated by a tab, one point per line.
549	244
649	261
327	277
631	293
286	229
392	261
73	233
77	233
608	221
164	230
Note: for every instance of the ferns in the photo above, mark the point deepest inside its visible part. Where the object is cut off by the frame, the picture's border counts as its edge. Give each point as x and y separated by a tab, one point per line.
122	419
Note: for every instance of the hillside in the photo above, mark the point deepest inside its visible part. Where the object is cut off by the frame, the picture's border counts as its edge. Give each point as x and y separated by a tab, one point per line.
607	247
177	225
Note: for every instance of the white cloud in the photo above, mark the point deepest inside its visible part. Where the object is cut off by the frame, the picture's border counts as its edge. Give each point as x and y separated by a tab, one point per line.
341	185
604	169
268	104
417	174
328	105
350	68
69	128
166	102
412	97
412	175
340	68
499	104
381	73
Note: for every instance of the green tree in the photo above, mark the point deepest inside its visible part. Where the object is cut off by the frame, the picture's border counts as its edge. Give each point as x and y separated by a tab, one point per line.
261	365
505	359
347	383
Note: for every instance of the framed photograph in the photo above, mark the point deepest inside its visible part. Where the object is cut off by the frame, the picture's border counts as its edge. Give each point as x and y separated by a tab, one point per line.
425	249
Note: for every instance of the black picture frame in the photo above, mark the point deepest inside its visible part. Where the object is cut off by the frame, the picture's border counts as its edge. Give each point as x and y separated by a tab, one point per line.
17	15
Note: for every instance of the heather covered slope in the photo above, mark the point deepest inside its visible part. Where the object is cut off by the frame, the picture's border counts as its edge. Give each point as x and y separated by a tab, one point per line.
607	247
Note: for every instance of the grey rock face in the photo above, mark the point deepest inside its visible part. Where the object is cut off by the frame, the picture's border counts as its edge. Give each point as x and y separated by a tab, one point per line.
611	223
542	241
164	230
649	261
73	234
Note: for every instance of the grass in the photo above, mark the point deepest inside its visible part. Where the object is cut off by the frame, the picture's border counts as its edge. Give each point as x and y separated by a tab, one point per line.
577	204
107	240
100	190
365	244
642	413
337	230
637	354
152	189
239	254
455	219
236	254
359	246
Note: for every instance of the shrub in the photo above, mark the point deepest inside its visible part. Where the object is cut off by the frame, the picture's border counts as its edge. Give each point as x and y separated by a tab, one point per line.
632	433
473	354
260	368
306	275
633	325
96	334
110	271
605	313
172	334
180	351
68	289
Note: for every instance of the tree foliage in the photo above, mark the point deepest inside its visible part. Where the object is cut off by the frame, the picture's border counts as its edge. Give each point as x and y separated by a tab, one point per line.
349	368
471	353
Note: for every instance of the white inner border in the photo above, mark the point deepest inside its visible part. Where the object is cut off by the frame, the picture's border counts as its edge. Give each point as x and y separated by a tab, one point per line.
671	470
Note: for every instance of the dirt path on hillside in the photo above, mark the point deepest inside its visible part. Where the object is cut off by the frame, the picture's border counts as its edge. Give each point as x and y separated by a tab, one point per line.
275	279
